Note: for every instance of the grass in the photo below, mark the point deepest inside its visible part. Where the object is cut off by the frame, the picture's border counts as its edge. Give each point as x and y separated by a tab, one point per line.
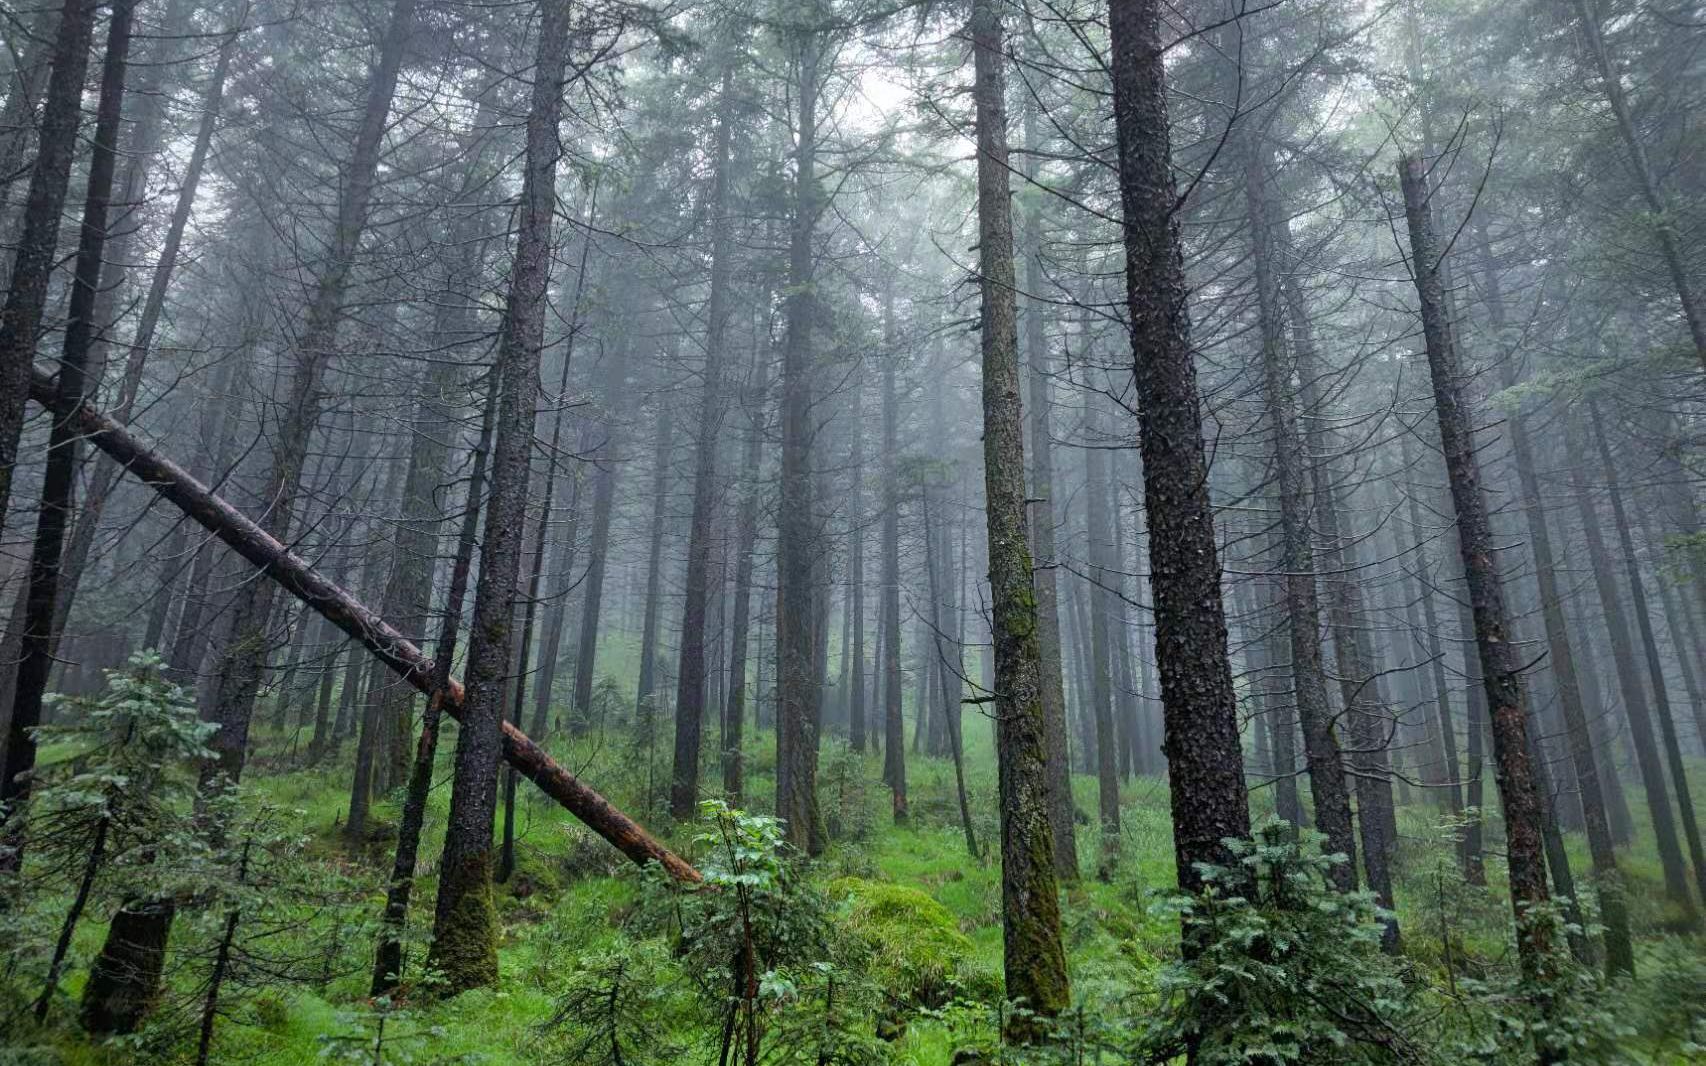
573	894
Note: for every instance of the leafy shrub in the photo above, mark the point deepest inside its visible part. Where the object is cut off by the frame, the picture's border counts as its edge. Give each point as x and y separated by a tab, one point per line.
1284	969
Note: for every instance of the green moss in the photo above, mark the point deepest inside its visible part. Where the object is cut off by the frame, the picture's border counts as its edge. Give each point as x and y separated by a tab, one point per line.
465	943
917	950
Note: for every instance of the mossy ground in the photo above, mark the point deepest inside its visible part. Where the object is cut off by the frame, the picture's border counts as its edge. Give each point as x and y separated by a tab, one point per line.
936	911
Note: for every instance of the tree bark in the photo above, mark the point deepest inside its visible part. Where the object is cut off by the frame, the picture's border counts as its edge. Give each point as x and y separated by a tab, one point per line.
1501	674
797	526
691	685
1035	961
266	553
464	945
1614	913
1649	645
1200	710
1042	515
58	490
38	241
1302	601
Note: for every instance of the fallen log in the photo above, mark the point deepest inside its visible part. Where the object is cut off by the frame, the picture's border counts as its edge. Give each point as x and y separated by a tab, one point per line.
327	598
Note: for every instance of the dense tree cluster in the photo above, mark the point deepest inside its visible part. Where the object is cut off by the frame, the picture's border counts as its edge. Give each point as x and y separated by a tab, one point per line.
779	432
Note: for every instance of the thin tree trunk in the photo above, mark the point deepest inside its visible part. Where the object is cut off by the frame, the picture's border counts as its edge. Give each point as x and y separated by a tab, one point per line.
746	536
1101	537
38	242
1635	706
58	490
894	727
1649	644
1302	602
691	685
645	703
388	959
598	548
937	559
1619	955
1359	681
1500	671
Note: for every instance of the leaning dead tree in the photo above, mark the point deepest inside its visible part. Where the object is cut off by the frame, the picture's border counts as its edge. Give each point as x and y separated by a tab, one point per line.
325	597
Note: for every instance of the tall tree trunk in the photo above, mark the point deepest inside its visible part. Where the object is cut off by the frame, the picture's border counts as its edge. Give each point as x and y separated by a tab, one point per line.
645	702
937	561
691	687
244	658
1101	537
464	944
598	545
797	525
1501	673
388	958
1635	706
374	693
1297	553
1649	645
1421	592
1043	517
1614	913
746	536
38	241
1035	961
1200	710
857	724
104	476
58	488
894	727
1359	680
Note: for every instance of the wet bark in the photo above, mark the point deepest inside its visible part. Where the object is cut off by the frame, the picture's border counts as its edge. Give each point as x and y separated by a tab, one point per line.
58	490
465	926
1043	518
1035	962
691	686
1500	671
1200	712
1297	558
1635	706
38	241
1649	646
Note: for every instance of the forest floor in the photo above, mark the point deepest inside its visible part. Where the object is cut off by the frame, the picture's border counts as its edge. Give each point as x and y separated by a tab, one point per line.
572	901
